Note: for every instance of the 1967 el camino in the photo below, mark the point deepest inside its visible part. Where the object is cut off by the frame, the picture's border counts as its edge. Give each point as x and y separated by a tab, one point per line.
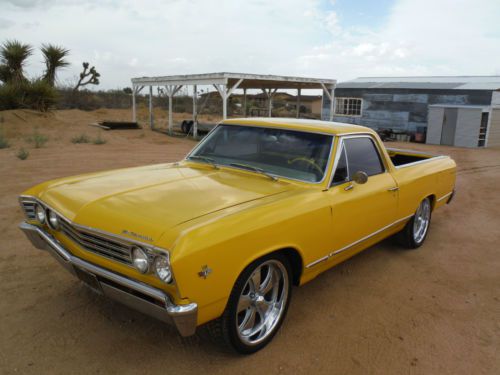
221	236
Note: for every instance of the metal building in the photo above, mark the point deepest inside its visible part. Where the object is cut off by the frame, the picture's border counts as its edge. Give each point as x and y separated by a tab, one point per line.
453	110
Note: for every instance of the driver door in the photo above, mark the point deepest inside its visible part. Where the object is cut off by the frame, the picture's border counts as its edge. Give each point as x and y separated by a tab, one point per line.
360	211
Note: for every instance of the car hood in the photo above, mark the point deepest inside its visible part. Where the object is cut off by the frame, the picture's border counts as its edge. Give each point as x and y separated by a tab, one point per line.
142	203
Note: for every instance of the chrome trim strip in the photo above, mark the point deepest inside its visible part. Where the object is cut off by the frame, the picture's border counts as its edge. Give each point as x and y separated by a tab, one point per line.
326	257
340	146
444	196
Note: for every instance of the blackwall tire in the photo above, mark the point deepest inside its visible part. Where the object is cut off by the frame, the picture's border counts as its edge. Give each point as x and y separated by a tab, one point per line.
415	231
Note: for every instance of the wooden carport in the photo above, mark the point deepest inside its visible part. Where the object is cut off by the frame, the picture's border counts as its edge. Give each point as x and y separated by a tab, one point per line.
226	84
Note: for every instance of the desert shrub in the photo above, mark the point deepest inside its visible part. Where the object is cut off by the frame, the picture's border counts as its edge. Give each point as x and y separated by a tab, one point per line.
36	94
39	95
22	154
4	143
10	97
99	140
38	140
82	138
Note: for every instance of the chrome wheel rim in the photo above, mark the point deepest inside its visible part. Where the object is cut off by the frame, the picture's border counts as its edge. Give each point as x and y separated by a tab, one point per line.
262	302
421	222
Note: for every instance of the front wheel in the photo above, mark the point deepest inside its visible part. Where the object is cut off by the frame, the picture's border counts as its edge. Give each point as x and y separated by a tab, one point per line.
414	233
257	305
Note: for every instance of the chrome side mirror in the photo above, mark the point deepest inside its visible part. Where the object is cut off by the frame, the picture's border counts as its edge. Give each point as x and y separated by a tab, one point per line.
360	177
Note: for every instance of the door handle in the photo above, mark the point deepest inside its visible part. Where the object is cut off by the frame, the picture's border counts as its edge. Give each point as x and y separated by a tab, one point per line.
395	188
349	187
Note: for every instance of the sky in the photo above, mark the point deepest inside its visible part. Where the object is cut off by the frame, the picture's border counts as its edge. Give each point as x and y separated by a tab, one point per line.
339	39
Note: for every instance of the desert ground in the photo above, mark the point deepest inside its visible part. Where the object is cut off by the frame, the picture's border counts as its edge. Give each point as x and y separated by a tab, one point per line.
435	310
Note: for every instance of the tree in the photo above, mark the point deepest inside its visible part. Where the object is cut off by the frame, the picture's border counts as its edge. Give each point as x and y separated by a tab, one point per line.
127	90
13	55
91	74
54	57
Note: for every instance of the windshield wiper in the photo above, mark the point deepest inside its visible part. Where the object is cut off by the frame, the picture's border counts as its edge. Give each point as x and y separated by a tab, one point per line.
205	159
254	169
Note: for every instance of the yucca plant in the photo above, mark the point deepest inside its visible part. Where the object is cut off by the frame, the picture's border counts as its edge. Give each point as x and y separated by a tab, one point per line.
54	57
13	55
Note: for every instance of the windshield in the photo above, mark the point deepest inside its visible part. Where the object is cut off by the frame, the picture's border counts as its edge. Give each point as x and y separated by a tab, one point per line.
279	152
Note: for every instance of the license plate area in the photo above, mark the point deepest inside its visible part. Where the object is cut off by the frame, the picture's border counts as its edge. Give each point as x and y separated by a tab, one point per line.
89	279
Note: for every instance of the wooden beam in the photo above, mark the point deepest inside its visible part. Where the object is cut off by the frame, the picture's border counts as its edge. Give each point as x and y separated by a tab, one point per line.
134	112
244	102
195	115
151	121
298	102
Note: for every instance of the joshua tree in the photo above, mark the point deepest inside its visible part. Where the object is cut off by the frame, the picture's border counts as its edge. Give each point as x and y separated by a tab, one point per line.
54	57
13	55
91	74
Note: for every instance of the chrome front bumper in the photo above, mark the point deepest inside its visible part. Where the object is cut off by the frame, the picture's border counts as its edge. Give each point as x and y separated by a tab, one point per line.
137	295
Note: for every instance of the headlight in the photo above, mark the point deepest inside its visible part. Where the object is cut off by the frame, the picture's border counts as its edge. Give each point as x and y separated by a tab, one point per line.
40	214
140	260
53	220
162	268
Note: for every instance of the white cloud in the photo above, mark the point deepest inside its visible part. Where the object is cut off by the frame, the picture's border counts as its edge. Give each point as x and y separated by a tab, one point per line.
420	37
130	38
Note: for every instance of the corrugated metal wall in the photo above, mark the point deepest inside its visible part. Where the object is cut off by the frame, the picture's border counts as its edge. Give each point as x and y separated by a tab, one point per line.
435	125
494	130
467	130
402	109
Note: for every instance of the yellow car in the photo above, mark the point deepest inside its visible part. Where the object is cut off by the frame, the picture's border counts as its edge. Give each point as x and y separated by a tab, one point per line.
221	236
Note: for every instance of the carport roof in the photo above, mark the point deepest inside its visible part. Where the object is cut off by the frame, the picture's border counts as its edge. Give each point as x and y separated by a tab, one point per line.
250	81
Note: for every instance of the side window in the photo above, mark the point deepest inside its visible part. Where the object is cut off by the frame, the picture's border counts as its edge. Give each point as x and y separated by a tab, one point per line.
341	174
362	155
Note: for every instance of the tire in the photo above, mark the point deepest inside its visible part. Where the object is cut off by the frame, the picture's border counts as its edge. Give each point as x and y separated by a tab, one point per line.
415	232
186	126
257	305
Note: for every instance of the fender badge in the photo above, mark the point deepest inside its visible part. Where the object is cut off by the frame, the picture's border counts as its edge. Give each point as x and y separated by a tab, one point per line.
136	235
205	271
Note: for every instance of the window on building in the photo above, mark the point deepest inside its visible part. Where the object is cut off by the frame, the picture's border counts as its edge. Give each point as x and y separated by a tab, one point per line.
348	106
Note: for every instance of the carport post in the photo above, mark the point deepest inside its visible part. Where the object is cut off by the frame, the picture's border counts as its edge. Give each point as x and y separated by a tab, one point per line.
244	102
170	117
330	92
332	103
151	121
135	91
298	102
224	102
270	95
134	114
171	91
195	115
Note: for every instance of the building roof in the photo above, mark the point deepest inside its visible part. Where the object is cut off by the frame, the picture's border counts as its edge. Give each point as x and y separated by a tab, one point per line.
307	125
432	82
249	81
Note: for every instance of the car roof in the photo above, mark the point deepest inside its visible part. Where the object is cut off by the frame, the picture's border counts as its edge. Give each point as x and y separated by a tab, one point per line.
316	126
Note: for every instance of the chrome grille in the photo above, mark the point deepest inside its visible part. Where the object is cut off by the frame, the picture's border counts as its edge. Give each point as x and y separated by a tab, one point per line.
97	243
29	208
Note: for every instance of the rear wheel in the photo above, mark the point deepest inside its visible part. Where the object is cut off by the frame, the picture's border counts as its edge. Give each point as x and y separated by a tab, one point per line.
414	233
257	305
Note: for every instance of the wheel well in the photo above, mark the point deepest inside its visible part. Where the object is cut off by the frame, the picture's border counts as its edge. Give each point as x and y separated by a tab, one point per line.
432	197
296	263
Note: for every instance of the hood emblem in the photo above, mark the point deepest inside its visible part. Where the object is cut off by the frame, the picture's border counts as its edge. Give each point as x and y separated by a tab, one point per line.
136	235
205	271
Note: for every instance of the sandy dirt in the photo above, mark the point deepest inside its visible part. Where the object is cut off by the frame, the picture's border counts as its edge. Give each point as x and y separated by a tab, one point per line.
385	311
